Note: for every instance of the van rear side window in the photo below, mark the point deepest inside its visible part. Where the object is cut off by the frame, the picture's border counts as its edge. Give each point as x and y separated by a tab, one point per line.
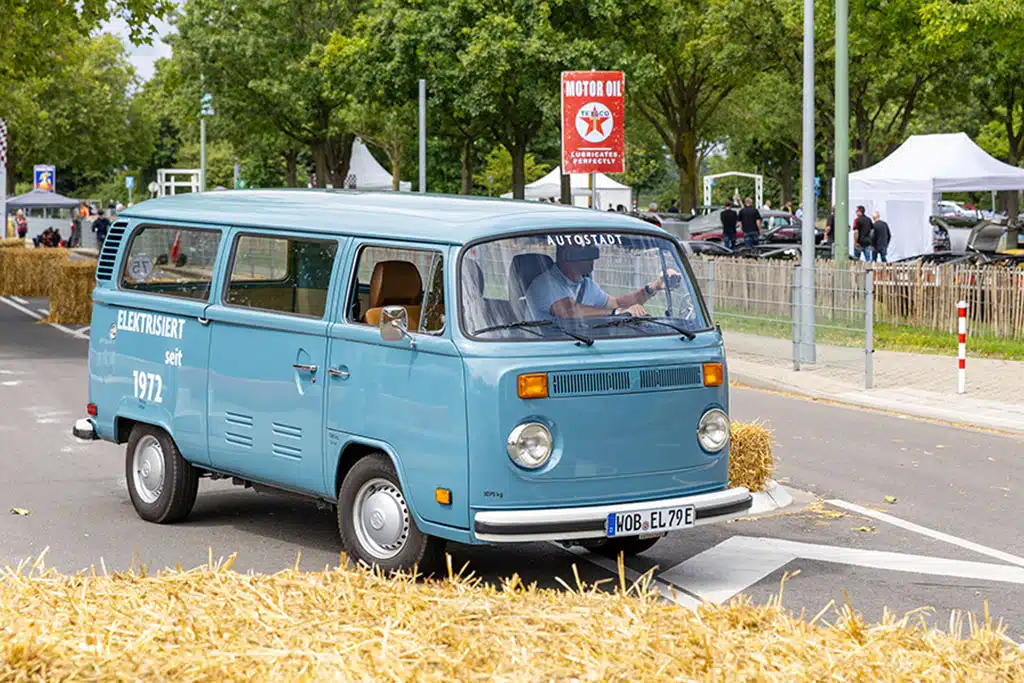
282	274
171	261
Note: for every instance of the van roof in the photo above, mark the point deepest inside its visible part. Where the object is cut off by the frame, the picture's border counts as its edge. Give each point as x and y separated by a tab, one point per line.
395	215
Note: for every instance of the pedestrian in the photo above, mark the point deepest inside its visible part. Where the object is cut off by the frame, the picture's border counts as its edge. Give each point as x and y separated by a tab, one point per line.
620	208
862	235
880	237
674	206
611	207
788	208
99	226
729	219
750	222
767	206
21	223
11	231
830	226
76	232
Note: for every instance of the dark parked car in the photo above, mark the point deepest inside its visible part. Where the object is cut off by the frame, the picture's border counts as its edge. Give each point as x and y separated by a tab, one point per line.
777	227
705	248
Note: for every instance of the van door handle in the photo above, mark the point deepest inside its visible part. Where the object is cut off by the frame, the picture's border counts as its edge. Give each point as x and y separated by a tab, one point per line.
335	372
203	321
307	368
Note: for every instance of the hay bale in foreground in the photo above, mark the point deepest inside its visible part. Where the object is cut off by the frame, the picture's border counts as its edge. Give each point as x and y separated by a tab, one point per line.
12	243
213	624
29	272
750	455
71	298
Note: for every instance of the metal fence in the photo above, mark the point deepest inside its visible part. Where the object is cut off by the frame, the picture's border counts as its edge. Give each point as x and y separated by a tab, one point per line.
758	304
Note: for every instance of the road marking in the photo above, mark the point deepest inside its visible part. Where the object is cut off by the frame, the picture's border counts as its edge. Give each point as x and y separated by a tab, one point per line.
732	566
668	592
18	307
925	531
44	311
20	300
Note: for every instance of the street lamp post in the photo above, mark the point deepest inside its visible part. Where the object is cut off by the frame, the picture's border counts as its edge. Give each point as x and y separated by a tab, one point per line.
206	109
807	194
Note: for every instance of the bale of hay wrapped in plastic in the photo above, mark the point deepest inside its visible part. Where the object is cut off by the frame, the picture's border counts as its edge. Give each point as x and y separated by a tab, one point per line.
29	272
12	243
213	624
71	297
750	455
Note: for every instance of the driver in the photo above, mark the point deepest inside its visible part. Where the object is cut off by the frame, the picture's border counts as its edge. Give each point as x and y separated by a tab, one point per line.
566	290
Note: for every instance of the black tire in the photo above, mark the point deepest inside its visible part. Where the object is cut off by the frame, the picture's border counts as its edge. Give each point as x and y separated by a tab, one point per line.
425	553
627	545
174	500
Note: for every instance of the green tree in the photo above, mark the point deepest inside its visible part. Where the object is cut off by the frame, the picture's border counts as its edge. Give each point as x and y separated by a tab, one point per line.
499	171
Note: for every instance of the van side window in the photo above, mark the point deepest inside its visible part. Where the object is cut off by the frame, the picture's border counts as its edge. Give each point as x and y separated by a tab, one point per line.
411	278
282	274
171	261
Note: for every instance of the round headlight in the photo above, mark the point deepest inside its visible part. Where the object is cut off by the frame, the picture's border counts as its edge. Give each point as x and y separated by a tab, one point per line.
713	430
529	445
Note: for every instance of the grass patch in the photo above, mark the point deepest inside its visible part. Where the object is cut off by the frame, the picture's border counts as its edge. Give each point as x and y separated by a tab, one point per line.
887	336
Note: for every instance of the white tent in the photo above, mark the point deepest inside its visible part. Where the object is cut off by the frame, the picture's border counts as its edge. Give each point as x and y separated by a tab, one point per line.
608	190
364	173
905	186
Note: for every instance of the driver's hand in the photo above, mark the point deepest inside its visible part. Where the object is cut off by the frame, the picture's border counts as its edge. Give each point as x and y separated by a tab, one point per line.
672	274
636	310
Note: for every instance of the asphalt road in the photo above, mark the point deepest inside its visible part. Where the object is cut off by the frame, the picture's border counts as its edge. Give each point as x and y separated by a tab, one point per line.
959	486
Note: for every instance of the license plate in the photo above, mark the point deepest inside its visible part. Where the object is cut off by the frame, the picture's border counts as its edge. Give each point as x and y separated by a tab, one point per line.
646	522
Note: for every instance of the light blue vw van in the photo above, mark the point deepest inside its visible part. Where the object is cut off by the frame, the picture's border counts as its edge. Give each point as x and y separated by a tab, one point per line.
436	368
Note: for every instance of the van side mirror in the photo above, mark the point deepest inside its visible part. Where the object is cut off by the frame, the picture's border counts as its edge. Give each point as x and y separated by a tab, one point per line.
394	325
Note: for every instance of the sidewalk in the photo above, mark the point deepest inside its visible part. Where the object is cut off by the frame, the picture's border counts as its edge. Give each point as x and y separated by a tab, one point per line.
921	385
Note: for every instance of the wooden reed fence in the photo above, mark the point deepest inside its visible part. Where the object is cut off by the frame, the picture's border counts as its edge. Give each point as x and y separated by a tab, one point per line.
916	295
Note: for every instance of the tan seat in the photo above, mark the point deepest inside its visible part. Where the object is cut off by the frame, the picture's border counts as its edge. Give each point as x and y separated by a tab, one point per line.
395	283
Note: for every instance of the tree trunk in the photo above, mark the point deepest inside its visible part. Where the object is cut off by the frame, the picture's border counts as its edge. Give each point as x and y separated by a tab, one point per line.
339	157
320	160
689	171
518	153
565	189
1014	195
291	174
395	157
467	166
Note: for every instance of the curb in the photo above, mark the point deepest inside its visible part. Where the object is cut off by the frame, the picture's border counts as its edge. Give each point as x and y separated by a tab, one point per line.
880	403
774	497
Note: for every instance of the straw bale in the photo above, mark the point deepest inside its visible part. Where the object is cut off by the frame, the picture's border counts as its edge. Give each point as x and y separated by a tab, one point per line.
29	272
214	624
12	243
71	298
750	455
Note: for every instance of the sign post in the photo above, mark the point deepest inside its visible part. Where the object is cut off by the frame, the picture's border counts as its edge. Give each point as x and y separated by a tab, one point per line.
129	182
3	176
593	114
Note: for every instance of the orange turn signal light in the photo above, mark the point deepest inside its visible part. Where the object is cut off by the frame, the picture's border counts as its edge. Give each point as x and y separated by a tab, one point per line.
443	496
534	385
714	375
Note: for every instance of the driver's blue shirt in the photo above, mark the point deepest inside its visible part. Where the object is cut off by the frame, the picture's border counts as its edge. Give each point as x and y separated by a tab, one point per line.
552	285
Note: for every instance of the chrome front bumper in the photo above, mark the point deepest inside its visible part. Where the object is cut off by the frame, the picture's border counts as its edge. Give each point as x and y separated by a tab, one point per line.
84	429
568	524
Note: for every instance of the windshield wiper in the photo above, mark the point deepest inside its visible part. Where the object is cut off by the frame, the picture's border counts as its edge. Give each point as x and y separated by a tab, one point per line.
527	324
632	320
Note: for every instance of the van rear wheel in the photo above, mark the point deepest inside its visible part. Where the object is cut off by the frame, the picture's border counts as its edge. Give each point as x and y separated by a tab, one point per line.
376	524
627	545
161	483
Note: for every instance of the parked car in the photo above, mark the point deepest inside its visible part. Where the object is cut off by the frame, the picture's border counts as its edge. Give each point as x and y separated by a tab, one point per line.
706	247
777	227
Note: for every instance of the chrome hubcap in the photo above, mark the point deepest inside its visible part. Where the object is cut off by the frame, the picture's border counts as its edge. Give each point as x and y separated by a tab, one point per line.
381	518
148	469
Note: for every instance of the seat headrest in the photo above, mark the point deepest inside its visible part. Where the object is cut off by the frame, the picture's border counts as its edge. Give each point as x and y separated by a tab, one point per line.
524	269
395	283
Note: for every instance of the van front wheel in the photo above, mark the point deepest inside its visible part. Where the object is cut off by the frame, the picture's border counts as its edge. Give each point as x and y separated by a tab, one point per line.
376	524
161	483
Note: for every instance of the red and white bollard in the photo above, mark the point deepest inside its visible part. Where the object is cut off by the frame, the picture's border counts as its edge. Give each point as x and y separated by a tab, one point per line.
961	373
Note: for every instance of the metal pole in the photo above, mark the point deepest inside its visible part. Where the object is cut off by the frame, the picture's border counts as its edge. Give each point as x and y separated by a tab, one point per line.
869	327
593	191
807	348
797	276
842	248
423	135
129	195
202	154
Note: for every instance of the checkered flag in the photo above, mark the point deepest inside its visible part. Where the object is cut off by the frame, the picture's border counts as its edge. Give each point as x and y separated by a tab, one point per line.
3	143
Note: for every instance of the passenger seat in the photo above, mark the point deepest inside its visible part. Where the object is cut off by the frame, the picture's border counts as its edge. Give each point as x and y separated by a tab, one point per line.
395	283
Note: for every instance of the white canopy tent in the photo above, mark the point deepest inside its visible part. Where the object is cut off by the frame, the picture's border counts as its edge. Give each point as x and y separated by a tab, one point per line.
608	191
364	173
905	186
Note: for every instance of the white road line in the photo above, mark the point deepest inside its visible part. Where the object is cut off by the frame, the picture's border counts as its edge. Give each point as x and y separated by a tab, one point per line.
44	311
19	300
925	531
668	591
18	307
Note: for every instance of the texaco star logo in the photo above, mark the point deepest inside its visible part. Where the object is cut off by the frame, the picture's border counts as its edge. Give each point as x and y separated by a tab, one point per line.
594	122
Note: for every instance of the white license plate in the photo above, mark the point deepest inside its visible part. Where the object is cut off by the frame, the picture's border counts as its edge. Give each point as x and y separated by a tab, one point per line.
655	521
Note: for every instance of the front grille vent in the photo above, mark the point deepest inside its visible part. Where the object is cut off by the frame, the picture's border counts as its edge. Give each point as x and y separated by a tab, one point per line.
625	380
598	382
665	378
108	251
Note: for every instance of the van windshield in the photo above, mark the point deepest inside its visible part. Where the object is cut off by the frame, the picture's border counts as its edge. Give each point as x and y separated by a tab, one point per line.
582	285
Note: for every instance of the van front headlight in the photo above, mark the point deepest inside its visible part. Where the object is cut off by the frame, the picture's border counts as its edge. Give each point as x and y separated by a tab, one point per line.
713	430
529	445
